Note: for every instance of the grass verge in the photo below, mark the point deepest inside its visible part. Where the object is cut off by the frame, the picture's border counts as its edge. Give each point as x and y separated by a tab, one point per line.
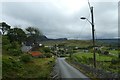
36	68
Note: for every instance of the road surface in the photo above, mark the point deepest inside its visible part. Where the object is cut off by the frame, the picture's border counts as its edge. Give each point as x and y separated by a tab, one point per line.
67	71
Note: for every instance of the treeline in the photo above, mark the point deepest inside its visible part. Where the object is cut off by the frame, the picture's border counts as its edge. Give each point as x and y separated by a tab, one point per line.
30	34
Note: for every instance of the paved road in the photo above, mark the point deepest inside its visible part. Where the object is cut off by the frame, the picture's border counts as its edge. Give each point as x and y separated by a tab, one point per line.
67	71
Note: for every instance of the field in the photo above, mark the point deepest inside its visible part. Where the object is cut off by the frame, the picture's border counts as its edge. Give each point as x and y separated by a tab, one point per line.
114	52
90	55
105	62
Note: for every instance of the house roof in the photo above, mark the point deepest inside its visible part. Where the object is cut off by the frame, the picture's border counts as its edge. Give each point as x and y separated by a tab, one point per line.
25	48
36	53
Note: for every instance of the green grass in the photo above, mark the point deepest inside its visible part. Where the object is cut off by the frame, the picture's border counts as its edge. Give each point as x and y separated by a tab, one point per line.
87	58
37	68
90	55
0	65
114	52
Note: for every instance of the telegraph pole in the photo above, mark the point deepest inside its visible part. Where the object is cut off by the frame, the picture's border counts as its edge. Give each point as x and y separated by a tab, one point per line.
93	36
93	30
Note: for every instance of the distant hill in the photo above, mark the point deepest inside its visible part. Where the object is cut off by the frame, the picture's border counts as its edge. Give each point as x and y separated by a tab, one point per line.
47	41
59	39
115	42
44	38
78	43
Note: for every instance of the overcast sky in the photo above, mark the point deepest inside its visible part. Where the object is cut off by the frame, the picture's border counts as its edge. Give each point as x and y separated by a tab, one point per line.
61	18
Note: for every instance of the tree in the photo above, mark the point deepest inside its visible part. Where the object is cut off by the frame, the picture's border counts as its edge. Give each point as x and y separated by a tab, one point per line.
30	30
4	27
33	34
16	34
33	30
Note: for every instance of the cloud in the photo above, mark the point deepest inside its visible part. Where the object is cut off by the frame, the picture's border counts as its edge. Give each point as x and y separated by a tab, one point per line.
56	20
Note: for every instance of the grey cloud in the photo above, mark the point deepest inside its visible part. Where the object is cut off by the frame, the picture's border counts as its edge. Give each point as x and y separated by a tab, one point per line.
55	23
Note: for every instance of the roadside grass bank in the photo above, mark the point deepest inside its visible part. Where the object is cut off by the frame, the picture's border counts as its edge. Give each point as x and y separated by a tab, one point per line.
106	62
38	68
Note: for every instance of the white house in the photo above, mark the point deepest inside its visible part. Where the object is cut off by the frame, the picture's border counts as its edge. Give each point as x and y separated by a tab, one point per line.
25	48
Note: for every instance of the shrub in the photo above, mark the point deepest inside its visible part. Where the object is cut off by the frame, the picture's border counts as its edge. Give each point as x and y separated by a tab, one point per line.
119	55
14	52
106	52
15	45
26	58
10	67
46	50
5	40
114	61
64	55
6	47
48	55
98	51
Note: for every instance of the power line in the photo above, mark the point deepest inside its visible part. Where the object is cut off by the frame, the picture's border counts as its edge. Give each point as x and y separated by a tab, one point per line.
84	26
89	4
86	20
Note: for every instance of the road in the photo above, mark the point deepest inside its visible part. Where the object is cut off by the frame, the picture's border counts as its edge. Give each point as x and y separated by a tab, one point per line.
67	71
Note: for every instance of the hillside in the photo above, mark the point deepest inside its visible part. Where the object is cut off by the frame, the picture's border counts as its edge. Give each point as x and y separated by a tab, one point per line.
82	43
44	38
112	42
79	43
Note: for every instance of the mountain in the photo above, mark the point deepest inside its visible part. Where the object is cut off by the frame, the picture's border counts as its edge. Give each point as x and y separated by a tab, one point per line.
44	38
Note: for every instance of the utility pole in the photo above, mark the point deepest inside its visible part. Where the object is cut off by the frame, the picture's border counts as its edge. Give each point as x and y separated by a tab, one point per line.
93	30
93	36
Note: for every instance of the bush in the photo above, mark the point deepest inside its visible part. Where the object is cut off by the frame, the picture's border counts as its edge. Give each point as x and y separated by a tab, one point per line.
64	55
5	40
26	58
11	48
15	45
14	52
106	52
6	47
114	61
48	55
46	50
10	67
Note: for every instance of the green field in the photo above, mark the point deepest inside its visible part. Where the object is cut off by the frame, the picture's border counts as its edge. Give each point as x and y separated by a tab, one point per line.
114	52
105	62
90	55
